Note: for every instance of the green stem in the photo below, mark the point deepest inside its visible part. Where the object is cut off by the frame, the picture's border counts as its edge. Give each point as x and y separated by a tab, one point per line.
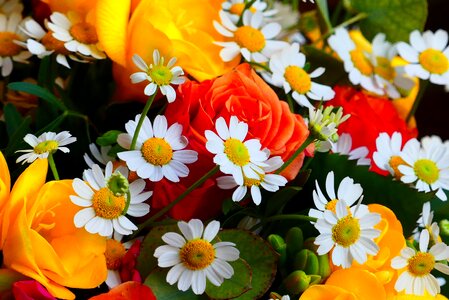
290	103
52	164
248	4
284	217
304	145
164	210
422	88
324	12
266	68
142	117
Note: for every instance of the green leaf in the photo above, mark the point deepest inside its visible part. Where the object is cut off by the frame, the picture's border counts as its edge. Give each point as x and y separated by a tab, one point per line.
36	90
146	262
7	278
259	255
235	286
108	138
396	18
13	118
156	280
405	201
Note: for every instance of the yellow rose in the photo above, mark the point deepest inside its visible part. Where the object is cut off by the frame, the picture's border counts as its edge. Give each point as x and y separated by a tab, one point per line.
38	236
182	29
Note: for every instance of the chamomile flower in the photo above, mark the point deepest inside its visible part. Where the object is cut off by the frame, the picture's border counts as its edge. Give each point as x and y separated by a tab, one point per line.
344	145
158	152
269	182
239	158
253	40
288	72
10	38
347	191
350	235
356	62
78	35
387	156
47	143
193	258
427	168
427	55
417	279
425	221
158	75
235	8
42	43
100	155
8	7
106	198
115	251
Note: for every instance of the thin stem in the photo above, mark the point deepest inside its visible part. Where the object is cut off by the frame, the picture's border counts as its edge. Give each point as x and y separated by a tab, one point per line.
290	103
52	164
422	88
266	68
284	217
304	145
164	210
324	12
142	117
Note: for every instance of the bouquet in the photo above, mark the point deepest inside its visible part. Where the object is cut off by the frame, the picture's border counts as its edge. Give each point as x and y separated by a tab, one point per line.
221	149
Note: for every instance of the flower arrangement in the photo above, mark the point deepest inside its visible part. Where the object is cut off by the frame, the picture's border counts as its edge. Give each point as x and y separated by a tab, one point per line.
221	149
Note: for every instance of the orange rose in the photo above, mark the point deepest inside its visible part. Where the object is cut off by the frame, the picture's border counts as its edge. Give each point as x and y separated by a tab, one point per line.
241	93
38	236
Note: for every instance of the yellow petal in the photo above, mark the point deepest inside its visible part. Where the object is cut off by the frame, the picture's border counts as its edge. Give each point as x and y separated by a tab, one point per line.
4	174
326	292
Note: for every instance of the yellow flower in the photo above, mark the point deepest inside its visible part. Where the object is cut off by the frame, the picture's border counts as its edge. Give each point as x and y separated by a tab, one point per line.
37	234
63	6
181	29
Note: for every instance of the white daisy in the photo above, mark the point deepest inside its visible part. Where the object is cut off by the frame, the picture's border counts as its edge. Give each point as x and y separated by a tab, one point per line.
158	75
253	40
269	182
387	156
416	279
344	145
428	141
100	155
288	72
348	191
427	168
193	258
10	38
428	56
158	152
47	143
78	35
234	156
107	197
7	7
425	221
42	43
235	8
349	235
357	63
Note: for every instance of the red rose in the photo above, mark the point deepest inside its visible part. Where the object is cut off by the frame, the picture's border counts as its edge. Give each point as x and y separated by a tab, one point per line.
241	93
370	116
29	290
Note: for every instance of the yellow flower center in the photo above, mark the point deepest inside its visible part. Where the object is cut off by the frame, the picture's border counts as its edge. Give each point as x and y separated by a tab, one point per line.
384	69
114	254
331	205
298	79
395	162
426	170
106	205
84	33
7	45
46	146
434	61
251	181
237	9
157	151
249	38
53	44
346	232
361	62
197	254
236	151
421	263
160	74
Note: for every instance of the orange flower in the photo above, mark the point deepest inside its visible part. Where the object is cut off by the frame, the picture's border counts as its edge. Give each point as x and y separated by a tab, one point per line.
181	29
37	233
63	6
127	291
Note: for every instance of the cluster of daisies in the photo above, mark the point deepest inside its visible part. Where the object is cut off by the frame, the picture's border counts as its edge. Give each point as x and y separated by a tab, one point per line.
251	33
347	228
67	35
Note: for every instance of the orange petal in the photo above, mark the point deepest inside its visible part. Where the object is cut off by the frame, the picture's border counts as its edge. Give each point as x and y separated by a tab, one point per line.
127	291
325	292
